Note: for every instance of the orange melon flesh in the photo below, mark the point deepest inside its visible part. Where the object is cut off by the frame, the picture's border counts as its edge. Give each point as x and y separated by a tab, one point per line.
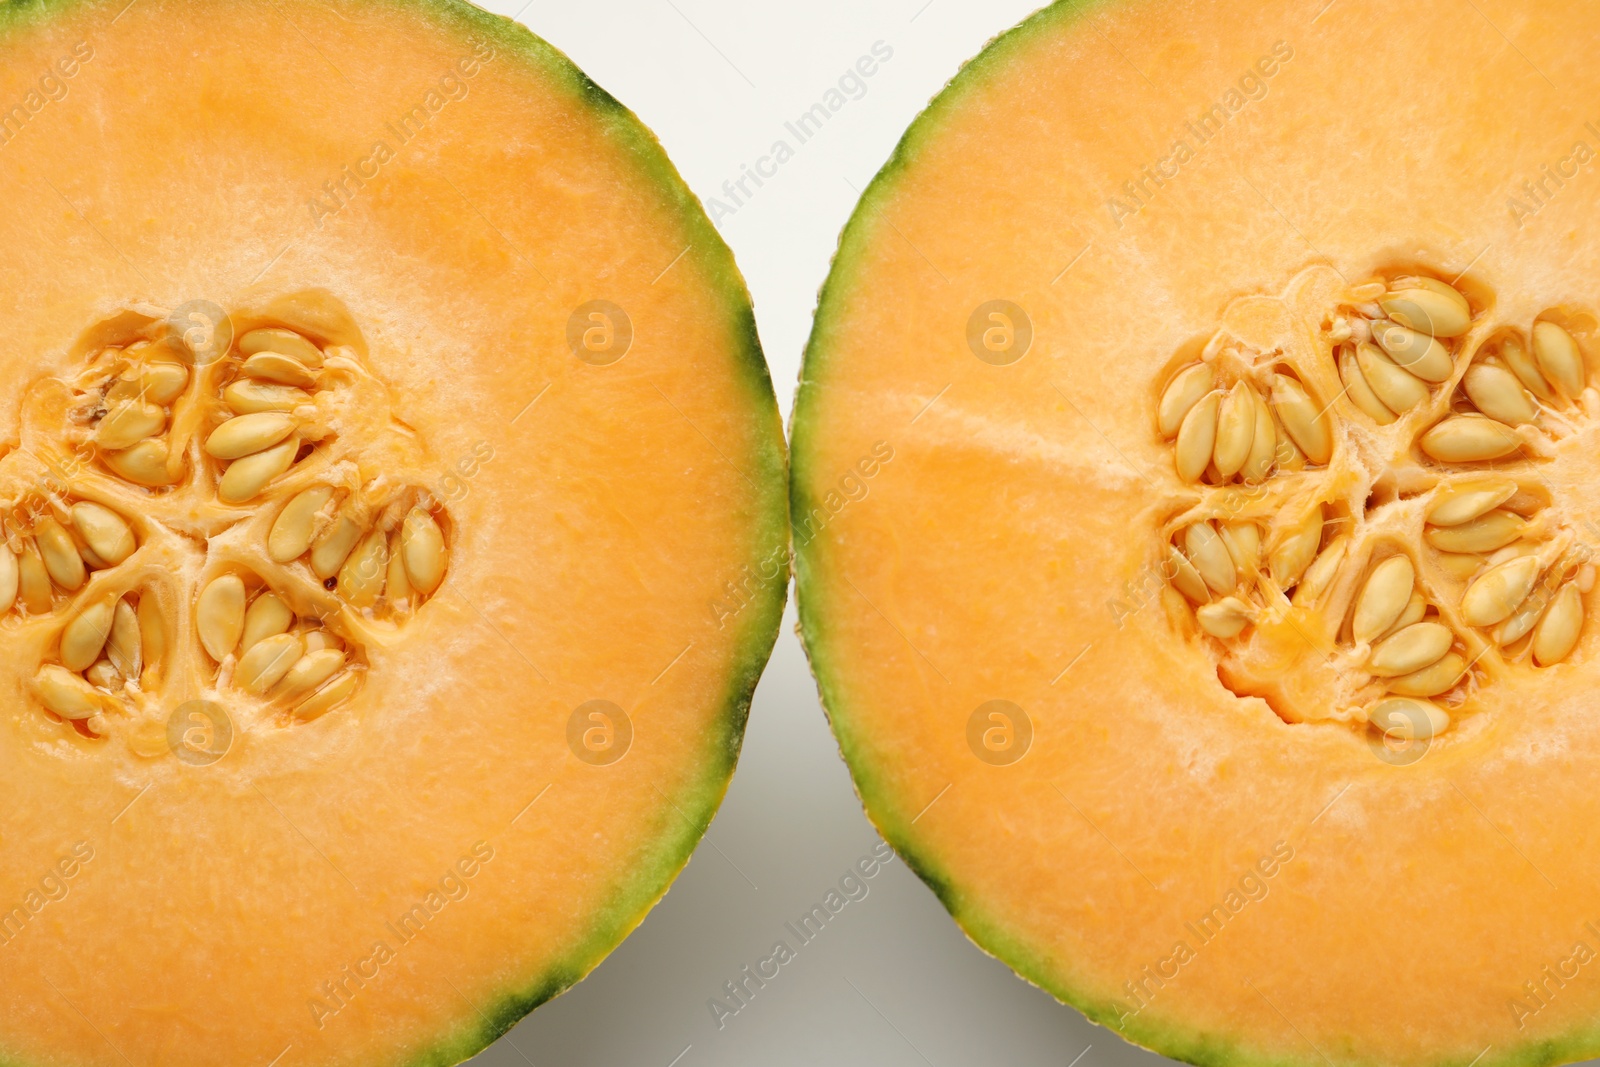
402	879
1179	862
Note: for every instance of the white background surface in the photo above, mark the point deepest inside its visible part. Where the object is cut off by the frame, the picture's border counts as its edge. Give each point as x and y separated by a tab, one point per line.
891	980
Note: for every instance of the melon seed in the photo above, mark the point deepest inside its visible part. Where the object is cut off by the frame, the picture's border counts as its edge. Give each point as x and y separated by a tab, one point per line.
144	464
1497	592
245	435
162	383
362	575
1428	311
1460	565
1301	417
1432	680
60	555
335	692
33	581
284	342
152	630
1496	392
85	636
1463	502
267	616
1416	353
219	617
1383	598
1470	439
246	478
1181	394
267	661
1489	531
104	531
103	675
1518	624
397	584
1415	609
8	579
1210	557
1558	357
128	423
317	640
296	524
1296	549
1323	570
1409	718
66	694
1359	392
279	369
1527	371
1243	540
89	555
1225	619
125	648
422	543
335	546
1410	649
1288	455
250	397
1197	437
1557	633
1263	442
1397	388
1184	578
1236	430
310	671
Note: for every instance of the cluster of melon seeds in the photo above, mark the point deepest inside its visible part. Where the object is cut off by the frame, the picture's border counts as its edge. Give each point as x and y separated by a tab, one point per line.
234	522
1369	531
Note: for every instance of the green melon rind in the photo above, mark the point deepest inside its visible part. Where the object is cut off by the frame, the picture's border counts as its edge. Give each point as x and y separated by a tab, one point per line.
892	814
759	620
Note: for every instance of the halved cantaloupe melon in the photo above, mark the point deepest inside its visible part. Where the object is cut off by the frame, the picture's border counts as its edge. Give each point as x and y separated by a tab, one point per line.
394	530
1194	501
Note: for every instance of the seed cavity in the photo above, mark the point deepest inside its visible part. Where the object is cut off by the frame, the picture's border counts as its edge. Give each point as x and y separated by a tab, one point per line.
1374	513
159	457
